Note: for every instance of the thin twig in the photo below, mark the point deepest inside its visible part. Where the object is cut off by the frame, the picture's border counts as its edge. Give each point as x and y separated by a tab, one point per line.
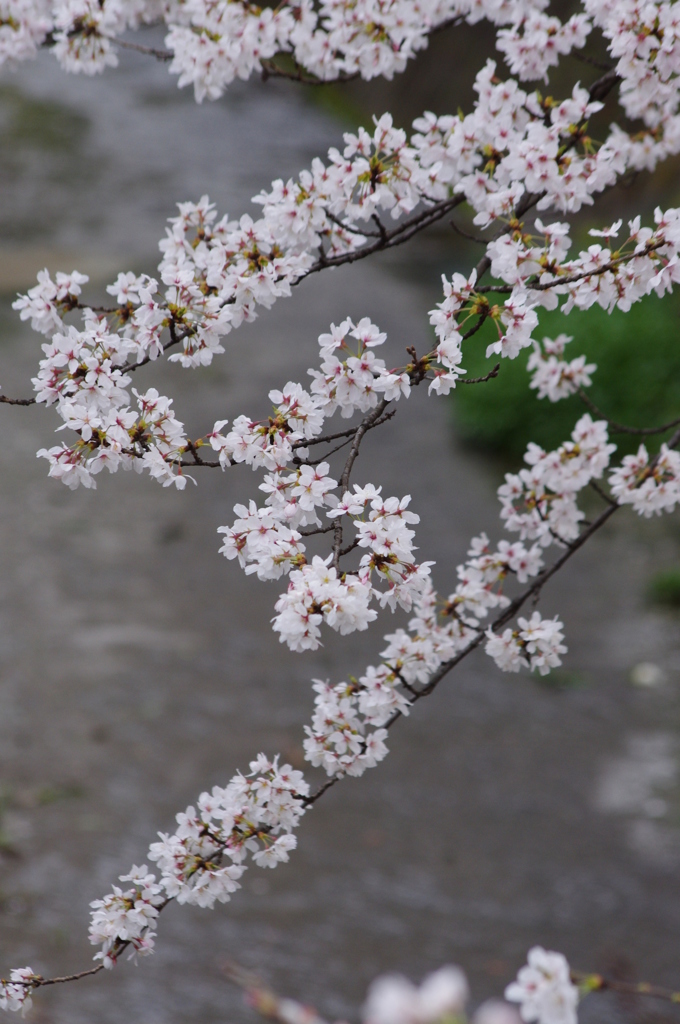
480	380
348	227
368	421
151	51
272	70
317	529
599	64
477	326
304	443
202	464
619	428
602	493
596	983
403	233
326	455
464	234
542	286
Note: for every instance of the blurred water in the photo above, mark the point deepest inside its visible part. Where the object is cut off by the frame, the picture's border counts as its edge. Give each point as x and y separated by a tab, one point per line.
137	667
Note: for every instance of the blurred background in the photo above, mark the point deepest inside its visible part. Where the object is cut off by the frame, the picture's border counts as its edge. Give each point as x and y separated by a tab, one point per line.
138	668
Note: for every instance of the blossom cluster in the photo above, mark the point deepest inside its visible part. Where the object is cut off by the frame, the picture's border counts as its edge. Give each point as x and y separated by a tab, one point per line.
647	261
650	486
537	274
267	540
202	861
516	150
15	994
347	733
539	502
553	376
537	643
214	42
645	39
216	273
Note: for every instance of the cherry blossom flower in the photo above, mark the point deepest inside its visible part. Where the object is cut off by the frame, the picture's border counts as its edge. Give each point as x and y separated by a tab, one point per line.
544	989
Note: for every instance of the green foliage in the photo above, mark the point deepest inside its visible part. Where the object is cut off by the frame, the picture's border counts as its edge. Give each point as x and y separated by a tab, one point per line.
637	381
664	588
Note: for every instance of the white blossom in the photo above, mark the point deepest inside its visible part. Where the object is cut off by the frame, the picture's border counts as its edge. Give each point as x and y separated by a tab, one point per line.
392	999
544	989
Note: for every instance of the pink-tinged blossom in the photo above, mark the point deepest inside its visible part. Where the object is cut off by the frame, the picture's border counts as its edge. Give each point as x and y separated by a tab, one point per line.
337	739
46	302
127	916
544	989
262	542
554	377
15	994
650	489
540	502
255	814
392	999
495	1011
316	593
537	644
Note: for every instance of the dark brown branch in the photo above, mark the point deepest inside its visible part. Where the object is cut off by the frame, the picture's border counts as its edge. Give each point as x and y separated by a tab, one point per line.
371	420
599	64
480	380
317	529
348	227
175	339
272	70
480	323
350	547
398	673
464	234
601	88
368	421
17	401
198	464
398	236
41	982
322	458
304	443
382	230
602	493
308	801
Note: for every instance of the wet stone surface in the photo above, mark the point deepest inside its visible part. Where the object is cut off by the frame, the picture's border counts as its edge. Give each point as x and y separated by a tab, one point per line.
137	667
